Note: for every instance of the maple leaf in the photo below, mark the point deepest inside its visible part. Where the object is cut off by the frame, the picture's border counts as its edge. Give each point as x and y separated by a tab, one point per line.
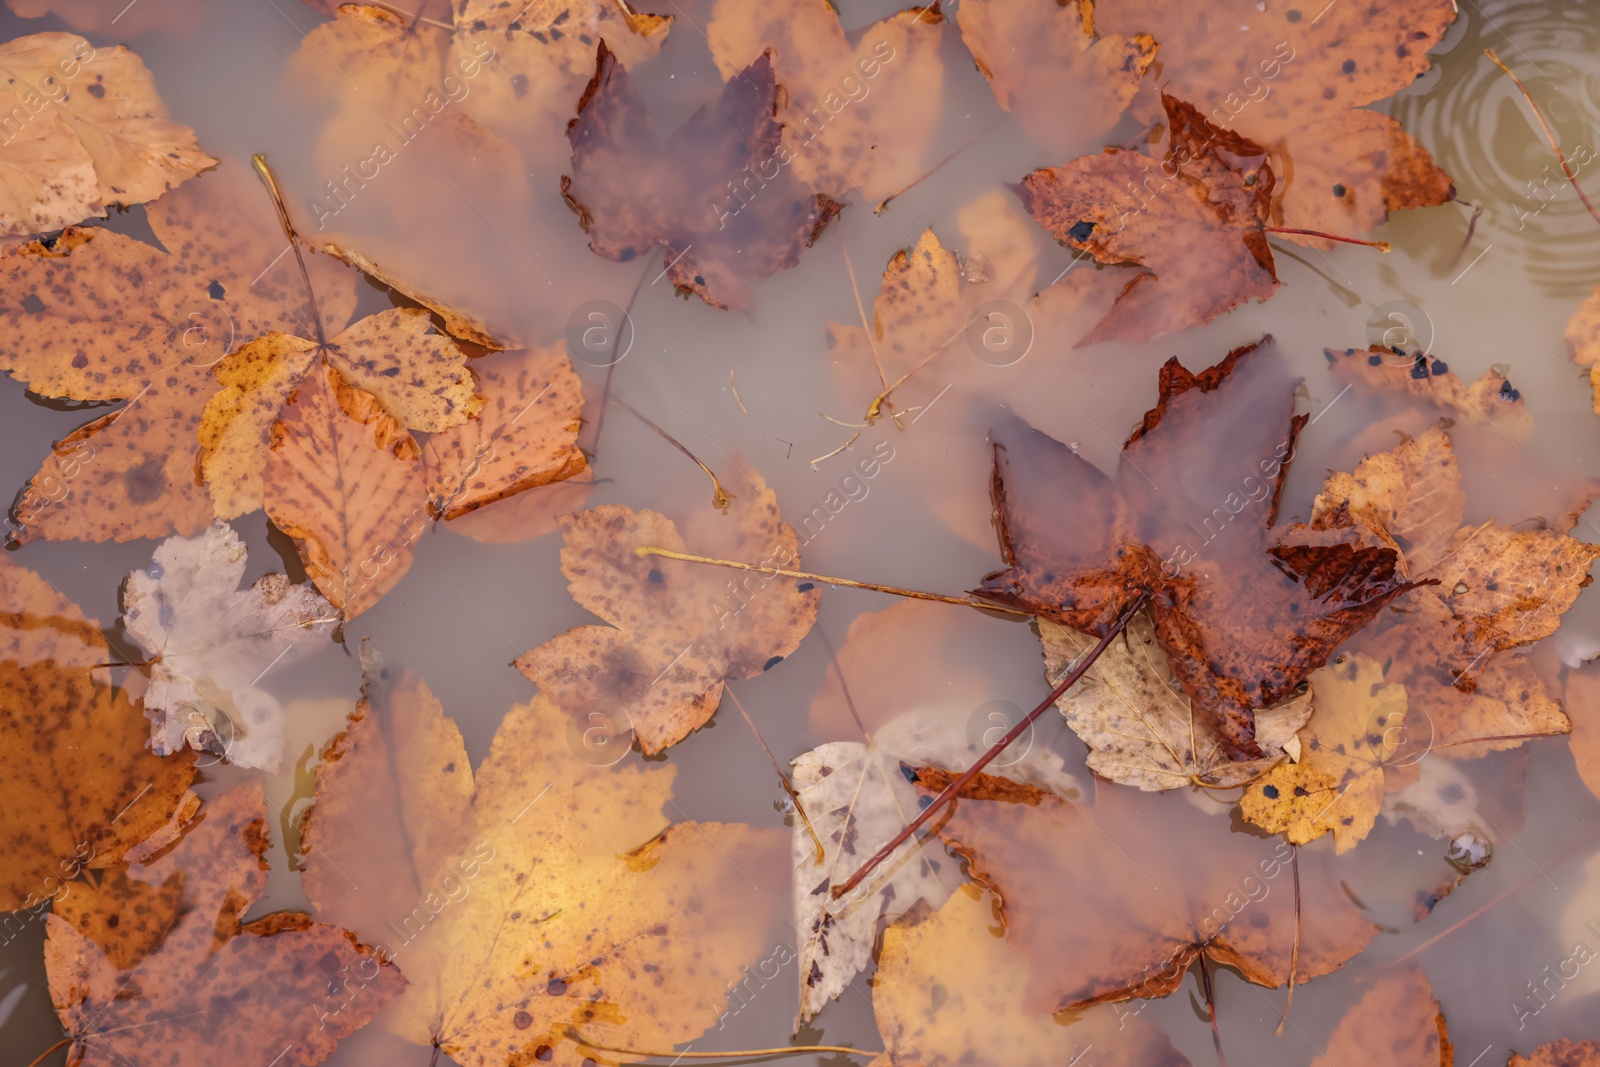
716	241
675	633
85	129
99	316
195	983
1337	785
1493	588
1397	1021
979	1019
1202	243
1145	904
1037	53
1491	400
1297	79
537	895
846	127
857	797
1244	617
1141	728
211	641
525	435
1561	1053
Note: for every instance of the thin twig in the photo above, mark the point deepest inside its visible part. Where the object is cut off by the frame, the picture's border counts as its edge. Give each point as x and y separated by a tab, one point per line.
1382	246
950	791
914	594
1211	1010
264	172
835	452
719	497
783	779
1294	953
735	387
611	367
1548	135
46	1053
787	1050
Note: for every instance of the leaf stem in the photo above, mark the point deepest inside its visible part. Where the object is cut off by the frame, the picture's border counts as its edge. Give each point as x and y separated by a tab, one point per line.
1294	953
783	779
259	161
719	498
786	1050
1548	135
950	791
46	1053
1382	246
652	550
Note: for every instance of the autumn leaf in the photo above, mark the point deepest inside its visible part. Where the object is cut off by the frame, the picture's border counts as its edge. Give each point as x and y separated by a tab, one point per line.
857	797
1337	785
1427	379
525	435
210	642
931	1017
1144	904
1583	704
1559	1054
1182	521
847	128
1298	79
192	983
675	632
85	129
717	242
1037	53
1202	243
345	481
98	316
540	894
1140	726
1397	1021
37	623
1583	341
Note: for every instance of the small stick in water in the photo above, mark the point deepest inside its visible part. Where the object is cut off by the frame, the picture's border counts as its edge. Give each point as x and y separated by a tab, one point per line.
1548	135
1382	246
719	498
783	779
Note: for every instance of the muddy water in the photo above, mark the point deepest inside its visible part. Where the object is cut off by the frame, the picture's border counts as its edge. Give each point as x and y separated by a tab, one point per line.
754	389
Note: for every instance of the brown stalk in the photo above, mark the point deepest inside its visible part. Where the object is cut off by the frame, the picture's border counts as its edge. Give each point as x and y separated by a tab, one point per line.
1294	953
1382	246
950	791
1548	135
264	172
719	497
783	779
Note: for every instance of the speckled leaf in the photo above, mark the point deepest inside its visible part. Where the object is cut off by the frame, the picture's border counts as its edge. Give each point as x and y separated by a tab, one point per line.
677	631
1409	496
103	135
541	894
344	479
203	987
1490	401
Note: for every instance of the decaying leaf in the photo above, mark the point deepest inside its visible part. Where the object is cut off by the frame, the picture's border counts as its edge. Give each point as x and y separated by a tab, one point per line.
85	129
345	480
77	787
539	896
1297	78
100	317
1396	1022
724	222
1201	242
933	1016
525	435
1139	724
209	642
1491	400
858	117
1337	784
676	631
1153	884
1038	53
1559	1054
1189	518
857	798
192	983
37	622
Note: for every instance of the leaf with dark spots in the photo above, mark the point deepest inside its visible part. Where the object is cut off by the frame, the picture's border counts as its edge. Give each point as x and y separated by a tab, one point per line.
723	223
1243	611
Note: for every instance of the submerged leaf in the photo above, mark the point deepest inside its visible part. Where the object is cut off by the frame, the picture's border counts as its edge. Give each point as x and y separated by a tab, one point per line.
210	642
192	983
540	895
677	631
1491	400
1397	1022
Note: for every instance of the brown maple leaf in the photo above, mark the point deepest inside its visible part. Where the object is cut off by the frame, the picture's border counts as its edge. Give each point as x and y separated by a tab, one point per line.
1200	238
1297	78
720	196
156	966
1144	904
1243	611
